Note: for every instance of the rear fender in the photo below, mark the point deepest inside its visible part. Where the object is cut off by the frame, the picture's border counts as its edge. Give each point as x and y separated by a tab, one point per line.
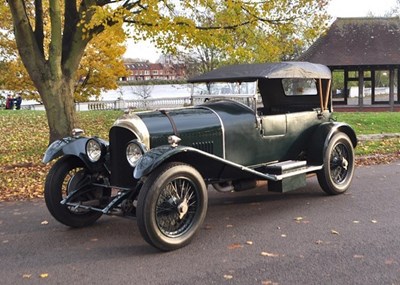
322	136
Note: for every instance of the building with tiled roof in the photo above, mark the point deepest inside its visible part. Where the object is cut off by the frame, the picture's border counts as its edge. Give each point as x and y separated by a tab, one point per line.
366	53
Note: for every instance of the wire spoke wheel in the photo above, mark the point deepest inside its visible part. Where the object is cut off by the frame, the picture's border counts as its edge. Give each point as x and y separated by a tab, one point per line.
73	180
176	207
68	175
172	205
338	168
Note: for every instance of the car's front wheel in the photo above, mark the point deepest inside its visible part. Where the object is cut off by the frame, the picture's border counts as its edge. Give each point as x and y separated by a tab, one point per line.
338	169
67	175
172	205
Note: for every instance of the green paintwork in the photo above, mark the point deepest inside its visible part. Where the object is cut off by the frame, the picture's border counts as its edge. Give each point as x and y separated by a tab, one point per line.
321	136
197	127
226	140
277	138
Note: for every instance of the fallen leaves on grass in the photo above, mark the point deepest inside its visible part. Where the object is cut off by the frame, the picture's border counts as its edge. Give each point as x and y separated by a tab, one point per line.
23	140
376	159
22	181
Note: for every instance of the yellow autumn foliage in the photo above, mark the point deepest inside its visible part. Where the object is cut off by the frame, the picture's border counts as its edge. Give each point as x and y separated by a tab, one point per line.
100	67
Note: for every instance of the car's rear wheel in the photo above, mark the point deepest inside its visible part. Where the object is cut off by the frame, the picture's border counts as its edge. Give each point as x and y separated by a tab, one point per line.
338	170
172	205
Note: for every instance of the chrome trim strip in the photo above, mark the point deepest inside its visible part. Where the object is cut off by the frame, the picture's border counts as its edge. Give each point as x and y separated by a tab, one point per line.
222	128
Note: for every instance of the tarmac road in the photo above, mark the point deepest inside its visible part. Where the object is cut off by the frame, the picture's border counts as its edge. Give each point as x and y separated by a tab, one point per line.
253	237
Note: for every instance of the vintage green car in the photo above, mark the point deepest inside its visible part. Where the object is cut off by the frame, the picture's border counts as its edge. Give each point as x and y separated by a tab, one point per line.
270	122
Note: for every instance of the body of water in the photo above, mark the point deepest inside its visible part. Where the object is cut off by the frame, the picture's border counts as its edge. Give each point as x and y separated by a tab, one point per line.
156	92
132	93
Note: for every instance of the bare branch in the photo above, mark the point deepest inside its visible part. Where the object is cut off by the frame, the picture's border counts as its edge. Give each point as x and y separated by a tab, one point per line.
39	35
71	16
55	48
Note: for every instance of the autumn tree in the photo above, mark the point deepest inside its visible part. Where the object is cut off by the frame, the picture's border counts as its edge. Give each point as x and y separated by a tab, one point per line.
290	28
101	65
73	24
100	68
13	76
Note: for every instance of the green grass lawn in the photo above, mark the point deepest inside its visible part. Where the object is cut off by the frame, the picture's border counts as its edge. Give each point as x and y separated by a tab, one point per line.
371	122
24	139
374	123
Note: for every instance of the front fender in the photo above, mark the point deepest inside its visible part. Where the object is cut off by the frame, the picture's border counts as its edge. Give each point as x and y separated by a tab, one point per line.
153	158
55	149
322	136
68	146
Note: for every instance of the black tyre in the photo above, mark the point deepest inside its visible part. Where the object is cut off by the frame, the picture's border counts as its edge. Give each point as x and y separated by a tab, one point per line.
338	170
65	176
172	205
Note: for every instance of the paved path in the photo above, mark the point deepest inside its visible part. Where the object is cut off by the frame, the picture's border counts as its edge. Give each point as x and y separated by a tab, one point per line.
376	137
254	237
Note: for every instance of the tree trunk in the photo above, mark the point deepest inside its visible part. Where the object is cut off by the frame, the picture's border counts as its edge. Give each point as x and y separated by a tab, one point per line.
60	108
53	74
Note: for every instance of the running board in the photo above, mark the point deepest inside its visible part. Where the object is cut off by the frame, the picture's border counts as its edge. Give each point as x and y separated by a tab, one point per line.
289	175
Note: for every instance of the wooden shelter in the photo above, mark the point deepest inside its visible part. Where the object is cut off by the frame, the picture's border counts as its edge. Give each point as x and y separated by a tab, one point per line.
364	56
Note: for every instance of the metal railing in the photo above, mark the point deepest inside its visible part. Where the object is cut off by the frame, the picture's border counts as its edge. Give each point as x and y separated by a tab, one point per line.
140	104
151	104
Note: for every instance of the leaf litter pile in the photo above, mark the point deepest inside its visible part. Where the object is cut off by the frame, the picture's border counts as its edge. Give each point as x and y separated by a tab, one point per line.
24	139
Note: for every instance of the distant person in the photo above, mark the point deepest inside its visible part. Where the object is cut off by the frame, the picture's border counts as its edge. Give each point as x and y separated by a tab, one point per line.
9	102
18	102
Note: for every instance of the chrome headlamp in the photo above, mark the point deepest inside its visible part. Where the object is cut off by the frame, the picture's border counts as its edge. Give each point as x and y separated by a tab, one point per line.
94	149
134	151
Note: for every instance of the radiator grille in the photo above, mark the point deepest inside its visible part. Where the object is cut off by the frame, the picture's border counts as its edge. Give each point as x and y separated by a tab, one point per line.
121	171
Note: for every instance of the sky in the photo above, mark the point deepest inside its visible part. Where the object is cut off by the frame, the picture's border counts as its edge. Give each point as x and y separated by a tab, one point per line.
336	8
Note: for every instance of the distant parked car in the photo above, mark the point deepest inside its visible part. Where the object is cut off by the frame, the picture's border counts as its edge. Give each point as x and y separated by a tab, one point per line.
157	165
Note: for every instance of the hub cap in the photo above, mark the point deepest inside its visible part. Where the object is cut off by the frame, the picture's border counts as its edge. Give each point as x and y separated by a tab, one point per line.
339	163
